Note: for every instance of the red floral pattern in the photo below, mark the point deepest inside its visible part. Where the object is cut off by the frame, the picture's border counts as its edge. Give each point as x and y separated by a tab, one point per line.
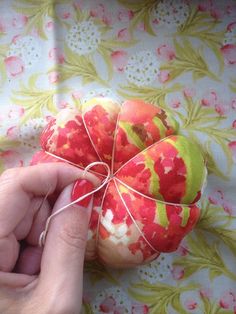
147	124
135	227
168	168
101	124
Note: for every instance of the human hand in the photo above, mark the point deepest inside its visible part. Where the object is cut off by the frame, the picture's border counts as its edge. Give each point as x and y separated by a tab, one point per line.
32	279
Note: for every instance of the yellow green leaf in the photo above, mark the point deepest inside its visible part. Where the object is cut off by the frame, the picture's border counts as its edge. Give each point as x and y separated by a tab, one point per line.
78	66
160	296
198	119
198	116
87	309
83	64
35	100
142	10
212	166
37	12
152	95
214	220
233	85
107	58
188	59
97	272
1	166
203	255
201	25
80	15
177	306
3	50
3	73
6	143
113	43
210	307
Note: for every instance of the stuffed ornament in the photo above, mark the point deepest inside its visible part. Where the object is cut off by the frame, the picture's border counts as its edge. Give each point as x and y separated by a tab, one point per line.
149	202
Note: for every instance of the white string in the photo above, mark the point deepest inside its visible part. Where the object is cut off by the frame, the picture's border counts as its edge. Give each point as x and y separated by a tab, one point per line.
73	164
114	142
134	221
43	235
143	151
99	218
153	199
42	238
107	179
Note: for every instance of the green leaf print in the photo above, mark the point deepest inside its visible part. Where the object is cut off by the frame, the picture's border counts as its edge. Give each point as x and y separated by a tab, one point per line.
79	15
1	166
152	95
212	166
107	47
35	100
214	220
75	66
37	11
209	307
87	308
188	59
197	20
77	103
201	25
142	10
203	255
197	116
97	272
3	73
2	33
103	46
6	143
198	120
160	296
233	85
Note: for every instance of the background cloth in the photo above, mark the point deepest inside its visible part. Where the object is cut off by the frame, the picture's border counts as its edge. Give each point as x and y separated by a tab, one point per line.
175	54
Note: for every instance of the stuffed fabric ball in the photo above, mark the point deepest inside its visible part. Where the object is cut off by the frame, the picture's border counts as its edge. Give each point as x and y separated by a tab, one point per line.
149	203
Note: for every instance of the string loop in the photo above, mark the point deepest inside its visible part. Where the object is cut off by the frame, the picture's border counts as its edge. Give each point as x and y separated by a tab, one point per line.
42	237
108	178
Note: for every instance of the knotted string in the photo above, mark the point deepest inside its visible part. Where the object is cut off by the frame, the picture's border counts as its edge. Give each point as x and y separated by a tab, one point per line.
107	178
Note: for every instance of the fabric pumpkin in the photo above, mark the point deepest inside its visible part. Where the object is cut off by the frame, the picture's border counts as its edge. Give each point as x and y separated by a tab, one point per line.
149	204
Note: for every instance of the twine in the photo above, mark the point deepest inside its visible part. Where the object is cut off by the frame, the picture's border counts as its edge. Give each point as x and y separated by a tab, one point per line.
107	179
42	237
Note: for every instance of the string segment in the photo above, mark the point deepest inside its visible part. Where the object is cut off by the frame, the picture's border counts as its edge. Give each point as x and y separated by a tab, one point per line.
42	237
110	176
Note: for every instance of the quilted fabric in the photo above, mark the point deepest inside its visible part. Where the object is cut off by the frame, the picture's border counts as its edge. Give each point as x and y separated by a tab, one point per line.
157	176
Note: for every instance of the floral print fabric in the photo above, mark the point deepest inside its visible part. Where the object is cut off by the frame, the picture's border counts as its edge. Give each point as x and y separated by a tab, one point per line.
180	55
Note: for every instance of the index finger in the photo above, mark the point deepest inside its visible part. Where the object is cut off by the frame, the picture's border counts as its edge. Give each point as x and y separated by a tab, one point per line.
19	185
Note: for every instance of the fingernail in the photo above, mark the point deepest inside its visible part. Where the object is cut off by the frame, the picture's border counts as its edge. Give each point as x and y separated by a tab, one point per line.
80	188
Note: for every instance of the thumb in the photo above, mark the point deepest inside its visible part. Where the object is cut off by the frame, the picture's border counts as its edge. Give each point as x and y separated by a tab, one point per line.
63	255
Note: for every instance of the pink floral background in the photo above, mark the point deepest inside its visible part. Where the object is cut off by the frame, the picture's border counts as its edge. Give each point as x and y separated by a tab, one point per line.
180	55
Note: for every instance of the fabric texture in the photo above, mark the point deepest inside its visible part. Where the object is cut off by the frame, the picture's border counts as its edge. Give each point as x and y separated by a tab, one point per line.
178	55
156	176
